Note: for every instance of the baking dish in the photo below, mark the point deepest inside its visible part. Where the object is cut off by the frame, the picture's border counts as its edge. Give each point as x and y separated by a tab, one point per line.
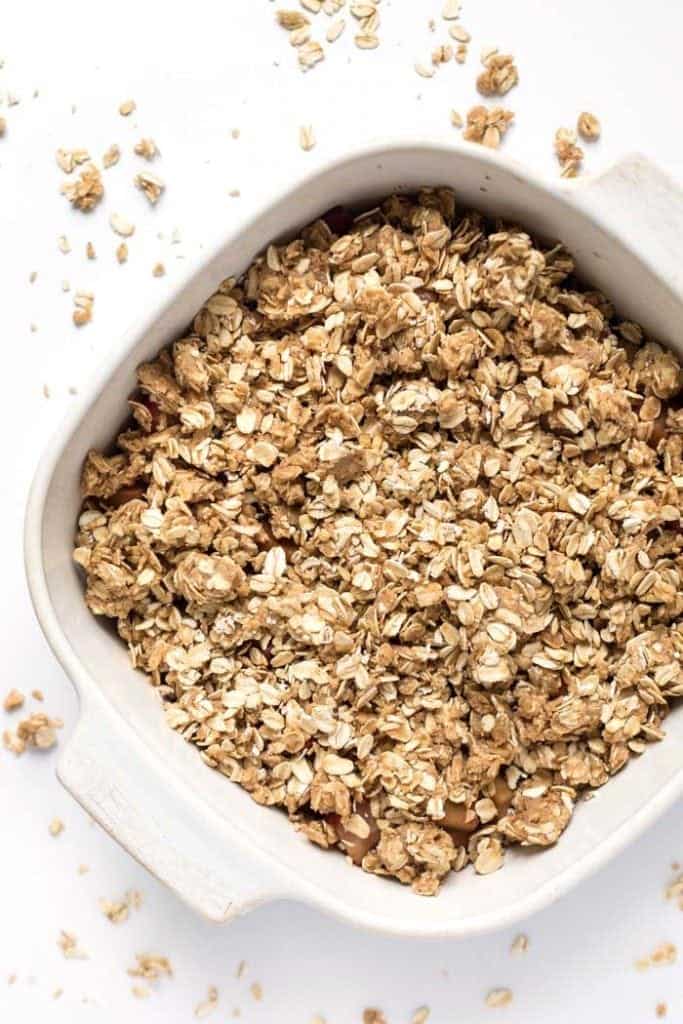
201	835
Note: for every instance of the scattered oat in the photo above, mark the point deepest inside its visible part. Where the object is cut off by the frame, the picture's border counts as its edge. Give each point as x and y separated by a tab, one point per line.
127	108
256	991
64	244
68	943
366	41
567	152
209	1004
118	911
520	944
66	286
56	827
122	252
82	869
241	968
661	1010
588	126
442	55
121	226
83	308
46	391
313	6
3	127
456	119
150	185
292	21
151	967
424	70
90	251
68	159
487	125
37	695
499	76
310	54
38	731
158	270
461	53
421	1015
499	997
306	138
141	991
451	10
335	30
371	1015
664	955
32	276
86	191
111	156
674	891
146	148
460	34
13	700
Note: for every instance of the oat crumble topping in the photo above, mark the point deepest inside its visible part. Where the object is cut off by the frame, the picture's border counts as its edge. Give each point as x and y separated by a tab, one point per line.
127	108
146	148
588	126
13	700
111	156
499	76
150	185
567	152
487	125
395	532
86	191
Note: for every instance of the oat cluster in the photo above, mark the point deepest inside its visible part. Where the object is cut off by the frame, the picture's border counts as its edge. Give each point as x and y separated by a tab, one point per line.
395	531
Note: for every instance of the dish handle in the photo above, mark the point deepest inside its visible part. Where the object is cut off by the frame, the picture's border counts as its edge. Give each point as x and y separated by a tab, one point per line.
130	800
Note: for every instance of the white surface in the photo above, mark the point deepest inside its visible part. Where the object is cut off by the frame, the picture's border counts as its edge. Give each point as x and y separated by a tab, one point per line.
196	74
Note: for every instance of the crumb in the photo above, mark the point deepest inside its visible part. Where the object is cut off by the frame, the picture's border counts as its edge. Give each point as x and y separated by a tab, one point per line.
111	156
567	152
86	191
140	991
241	968
82	869
150	186
371	1015
68	943
499	76
421	1015
83	308
207	1005
306	138
588	126
121	226
158	270
146	148
90	251
38	731
498	997
32	276
3	127
122	252
456	119
487	125
118	911
69	159
64	244
674	891
661	1010
664	955
56	827
256	991
520	944
13	700
151	967
127	108
57	993
37	695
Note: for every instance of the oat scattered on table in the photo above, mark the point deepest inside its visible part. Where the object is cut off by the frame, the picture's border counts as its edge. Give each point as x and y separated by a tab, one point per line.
38	731
442	55
661	1010
567	152
306	138
460	34
150	185
151	967
56	827
394	530
662	956
13	700
499	76
520	944
499	997
37	695
69	159
68	943
487	125
127	108
122	252
674	891
83	308
63	244
371	1015
90	251
146	148
86	191
121	226
141	991
335	30
421	1015
158	270
207	1005
456	119
588	126
256	990
424	70
118	911
111	156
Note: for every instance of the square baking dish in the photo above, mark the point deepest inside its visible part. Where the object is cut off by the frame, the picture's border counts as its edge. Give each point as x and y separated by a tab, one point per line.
148	788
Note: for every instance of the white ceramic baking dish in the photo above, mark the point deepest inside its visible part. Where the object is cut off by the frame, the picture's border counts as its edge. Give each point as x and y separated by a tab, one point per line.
203	836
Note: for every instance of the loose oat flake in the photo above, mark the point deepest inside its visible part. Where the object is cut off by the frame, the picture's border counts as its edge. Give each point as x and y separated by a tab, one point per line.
306	138
588	126
56	827
146	148
150	185
207	1005
487	125
68	943
13	700
499	997
151	967
394	530
86	191
499	76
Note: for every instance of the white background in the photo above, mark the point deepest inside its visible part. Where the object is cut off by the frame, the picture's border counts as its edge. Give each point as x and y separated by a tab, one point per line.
197	71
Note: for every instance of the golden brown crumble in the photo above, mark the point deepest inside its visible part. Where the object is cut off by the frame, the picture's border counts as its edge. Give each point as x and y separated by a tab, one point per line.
68	943
86	191
146	148
588	126
395	532
118	911
56	827
38	731
499	76
127	108
567	152
207	1005
112	156
158	270
13	700
150	185
499	997
90	251
371	1015
151	967
69	159
83	308
487	125
122	252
